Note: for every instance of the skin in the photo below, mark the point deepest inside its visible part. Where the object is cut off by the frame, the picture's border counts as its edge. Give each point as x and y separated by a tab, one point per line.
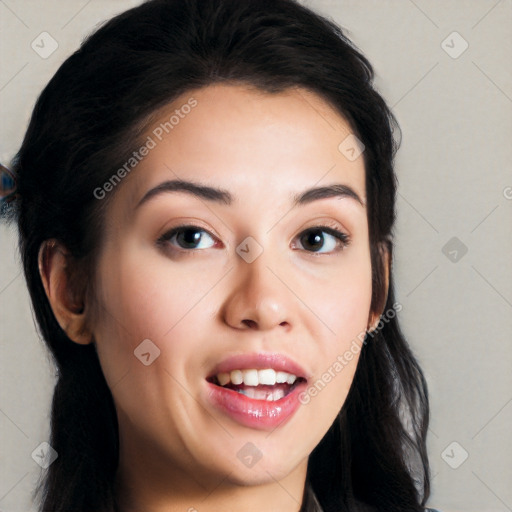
177	451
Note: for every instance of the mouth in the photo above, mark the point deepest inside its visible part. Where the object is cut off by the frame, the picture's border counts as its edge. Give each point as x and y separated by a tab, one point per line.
258	384
259	391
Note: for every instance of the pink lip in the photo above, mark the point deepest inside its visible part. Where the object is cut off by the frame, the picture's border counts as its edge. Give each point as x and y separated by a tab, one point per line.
259	361
257	414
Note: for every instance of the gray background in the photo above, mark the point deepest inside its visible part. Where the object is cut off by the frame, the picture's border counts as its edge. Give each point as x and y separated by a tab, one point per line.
455	180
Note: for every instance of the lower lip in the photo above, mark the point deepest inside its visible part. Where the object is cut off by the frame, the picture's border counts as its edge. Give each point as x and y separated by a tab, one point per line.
258	414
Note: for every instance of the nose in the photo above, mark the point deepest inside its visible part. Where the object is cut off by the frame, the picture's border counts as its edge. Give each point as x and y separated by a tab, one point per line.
260	298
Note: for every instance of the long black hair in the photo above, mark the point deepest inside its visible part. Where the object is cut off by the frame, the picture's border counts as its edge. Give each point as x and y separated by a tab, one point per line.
86	123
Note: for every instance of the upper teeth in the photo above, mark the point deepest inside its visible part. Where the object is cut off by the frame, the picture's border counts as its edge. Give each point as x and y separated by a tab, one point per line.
255	377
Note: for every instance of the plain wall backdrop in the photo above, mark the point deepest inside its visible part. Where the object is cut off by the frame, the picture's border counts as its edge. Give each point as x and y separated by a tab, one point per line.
444	66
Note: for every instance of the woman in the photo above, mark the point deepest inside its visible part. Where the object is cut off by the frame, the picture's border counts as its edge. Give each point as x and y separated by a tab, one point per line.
205	200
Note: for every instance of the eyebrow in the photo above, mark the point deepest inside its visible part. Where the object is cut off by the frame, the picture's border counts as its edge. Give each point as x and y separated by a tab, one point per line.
223	196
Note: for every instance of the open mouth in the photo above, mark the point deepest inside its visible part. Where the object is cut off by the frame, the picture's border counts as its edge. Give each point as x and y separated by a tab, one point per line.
266	384
257	390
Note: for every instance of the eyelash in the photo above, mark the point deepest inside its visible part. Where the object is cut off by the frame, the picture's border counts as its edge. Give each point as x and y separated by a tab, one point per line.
343	238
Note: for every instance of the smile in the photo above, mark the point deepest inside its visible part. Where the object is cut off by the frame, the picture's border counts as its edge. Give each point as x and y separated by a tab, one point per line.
258	391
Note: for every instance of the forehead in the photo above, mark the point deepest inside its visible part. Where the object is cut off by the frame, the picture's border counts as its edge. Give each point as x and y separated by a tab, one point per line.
255	144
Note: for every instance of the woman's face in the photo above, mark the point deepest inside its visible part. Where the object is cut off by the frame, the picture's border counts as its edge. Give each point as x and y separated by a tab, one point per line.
247	288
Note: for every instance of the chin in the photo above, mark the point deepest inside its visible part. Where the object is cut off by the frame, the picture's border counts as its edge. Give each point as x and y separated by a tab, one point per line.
259	475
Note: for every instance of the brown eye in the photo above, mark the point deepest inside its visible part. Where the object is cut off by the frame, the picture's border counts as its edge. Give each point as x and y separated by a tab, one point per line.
314	239
186	237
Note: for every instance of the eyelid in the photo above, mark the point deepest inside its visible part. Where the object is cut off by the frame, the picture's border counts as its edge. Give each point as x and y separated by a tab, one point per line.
320	223
187	223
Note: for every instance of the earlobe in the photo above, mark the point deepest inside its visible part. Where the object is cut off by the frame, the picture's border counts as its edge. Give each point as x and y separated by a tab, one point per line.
53	262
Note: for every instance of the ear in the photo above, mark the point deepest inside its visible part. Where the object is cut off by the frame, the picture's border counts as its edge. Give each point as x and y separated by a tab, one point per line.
374	318
55	270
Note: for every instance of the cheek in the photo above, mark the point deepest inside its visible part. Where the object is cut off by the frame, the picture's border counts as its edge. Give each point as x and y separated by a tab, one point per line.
148	296
147	316
343	305
342	299
156	300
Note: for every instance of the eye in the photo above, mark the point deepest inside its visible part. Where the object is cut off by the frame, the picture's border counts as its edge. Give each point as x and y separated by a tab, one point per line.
187	237
313	240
